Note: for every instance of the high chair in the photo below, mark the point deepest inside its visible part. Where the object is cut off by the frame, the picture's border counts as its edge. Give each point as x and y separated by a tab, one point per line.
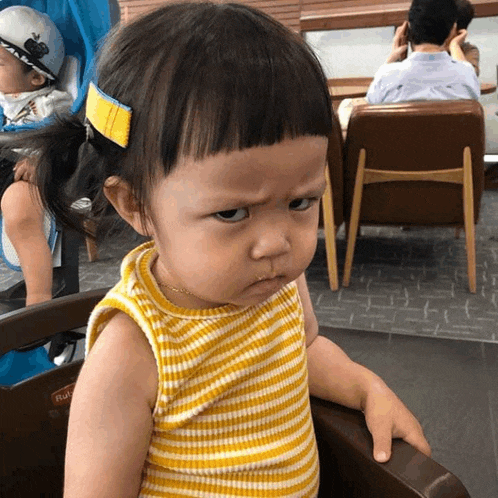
34	418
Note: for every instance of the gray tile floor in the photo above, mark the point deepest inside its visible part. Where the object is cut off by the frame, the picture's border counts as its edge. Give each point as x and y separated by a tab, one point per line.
415	282
409	317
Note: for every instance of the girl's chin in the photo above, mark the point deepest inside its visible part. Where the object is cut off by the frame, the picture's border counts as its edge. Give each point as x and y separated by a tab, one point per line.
255	293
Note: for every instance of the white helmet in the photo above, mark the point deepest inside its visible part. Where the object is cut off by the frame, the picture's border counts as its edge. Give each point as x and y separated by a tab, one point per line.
33	38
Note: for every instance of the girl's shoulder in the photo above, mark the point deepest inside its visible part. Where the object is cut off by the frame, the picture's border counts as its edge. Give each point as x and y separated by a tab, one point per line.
124	354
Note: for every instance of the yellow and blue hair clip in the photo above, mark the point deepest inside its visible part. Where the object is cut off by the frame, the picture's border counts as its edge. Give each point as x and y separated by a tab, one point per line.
108	116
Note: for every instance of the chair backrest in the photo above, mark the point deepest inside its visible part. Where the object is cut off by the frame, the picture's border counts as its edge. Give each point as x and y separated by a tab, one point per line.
34	413
414	136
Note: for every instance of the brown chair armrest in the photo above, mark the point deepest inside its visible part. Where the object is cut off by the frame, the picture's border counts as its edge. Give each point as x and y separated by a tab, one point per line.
347	467
47	319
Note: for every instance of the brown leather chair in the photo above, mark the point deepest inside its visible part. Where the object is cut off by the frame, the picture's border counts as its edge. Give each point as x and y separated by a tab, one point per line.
332	201
34	415
418	163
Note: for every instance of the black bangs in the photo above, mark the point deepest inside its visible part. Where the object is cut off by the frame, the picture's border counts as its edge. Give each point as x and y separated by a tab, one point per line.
208	78
249	82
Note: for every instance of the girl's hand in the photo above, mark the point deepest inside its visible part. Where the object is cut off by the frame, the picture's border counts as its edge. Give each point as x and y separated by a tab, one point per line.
333	376
387	418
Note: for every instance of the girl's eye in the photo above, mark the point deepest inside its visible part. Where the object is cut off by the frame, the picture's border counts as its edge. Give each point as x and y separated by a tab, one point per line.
301	204
232	215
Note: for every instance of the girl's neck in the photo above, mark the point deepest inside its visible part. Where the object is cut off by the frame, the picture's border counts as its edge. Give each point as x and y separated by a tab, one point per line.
176	294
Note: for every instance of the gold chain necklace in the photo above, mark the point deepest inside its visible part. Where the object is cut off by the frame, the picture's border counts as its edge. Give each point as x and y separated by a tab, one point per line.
174	289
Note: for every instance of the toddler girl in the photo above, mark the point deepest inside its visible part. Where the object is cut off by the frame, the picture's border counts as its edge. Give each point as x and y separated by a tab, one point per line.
207	131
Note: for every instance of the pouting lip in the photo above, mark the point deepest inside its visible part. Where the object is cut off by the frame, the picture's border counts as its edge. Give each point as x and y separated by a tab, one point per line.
268	280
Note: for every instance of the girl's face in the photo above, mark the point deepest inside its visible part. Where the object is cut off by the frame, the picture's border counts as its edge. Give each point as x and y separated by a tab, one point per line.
235	227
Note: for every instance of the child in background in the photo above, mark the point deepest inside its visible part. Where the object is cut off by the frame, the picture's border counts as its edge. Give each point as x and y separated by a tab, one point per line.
208	131
31	55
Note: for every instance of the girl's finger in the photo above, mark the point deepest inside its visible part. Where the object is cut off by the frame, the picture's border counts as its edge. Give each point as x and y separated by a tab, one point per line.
419	442
382	439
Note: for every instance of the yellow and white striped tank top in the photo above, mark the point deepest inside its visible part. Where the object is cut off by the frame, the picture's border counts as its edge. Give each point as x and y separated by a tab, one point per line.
232	416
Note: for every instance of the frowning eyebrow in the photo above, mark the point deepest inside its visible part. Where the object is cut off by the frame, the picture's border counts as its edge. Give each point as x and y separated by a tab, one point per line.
227	201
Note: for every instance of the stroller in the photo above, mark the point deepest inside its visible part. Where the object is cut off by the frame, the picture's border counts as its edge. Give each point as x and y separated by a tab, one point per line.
83	24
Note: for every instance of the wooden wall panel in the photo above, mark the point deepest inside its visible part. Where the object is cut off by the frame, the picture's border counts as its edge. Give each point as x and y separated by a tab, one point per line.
286	11
353	14
310	15
340	14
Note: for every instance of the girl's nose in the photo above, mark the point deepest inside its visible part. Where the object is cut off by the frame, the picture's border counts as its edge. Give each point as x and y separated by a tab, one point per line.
270	243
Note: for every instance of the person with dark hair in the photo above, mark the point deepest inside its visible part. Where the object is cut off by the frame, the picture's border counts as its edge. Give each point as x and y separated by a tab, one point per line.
31	56
466	13
207	130
430	72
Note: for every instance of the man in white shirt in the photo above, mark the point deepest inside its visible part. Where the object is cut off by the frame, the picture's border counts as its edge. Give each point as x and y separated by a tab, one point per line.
430	72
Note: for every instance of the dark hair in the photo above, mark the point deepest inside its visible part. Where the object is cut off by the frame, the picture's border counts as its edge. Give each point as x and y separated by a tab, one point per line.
201	78
431	21
465	13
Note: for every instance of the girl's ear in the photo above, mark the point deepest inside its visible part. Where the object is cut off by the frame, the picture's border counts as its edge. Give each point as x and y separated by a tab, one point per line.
119	194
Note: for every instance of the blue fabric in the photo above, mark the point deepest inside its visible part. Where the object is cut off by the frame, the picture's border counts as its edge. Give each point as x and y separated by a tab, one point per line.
16	366
83	25
424	76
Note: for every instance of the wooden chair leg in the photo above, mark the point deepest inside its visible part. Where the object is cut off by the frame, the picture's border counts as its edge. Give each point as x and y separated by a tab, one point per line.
91	243
468	213
358	231
355	216
330	234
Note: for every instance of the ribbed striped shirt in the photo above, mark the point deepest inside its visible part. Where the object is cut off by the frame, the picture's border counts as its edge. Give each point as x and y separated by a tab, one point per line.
232	415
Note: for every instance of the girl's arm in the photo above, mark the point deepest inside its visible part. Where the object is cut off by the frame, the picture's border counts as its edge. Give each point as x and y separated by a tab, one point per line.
333	376
110	421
